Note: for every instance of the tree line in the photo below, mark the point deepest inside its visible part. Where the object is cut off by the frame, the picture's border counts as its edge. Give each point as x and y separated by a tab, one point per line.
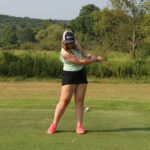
45	64
124	26
26	33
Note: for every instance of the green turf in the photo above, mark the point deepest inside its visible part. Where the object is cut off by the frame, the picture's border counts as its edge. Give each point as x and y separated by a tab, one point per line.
118	119
22	129
101	104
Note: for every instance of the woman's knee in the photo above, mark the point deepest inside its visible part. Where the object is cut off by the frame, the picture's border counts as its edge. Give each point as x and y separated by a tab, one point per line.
64	102
79	101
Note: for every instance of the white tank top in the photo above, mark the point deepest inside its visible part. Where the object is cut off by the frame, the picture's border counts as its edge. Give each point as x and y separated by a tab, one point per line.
67	66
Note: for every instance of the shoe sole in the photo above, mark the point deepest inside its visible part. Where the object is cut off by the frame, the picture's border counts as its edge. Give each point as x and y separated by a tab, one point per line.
50	132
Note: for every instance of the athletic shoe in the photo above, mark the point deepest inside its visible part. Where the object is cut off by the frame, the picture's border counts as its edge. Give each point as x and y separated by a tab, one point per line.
80	129
52	128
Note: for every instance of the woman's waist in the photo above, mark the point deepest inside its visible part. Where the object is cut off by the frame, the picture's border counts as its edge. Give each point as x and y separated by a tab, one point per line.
74	71
72	68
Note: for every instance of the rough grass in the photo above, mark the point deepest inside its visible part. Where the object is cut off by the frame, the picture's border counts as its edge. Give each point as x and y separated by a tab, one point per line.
118	120
46	64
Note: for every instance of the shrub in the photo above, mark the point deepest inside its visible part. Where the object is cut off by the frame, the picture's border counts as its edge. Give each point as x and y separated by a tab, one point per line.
42	64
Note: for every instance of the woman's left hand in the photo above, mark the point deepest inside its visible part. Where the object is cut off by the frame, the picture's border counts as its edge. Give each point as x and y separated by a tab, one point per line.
100	58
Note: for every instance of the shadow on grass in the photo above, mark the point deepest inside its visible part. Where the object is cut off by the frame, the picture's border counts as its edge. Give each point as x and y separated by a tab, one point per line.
120	130
109	130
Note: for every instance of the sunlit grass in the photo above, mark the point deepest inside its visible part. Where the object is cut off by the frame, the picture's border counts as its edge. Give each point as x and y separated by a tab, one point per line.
45	94
118	118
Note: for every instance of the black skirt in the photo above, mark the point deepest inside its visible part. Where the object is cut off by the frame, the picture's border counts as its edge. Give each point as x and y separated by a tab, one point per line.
74	77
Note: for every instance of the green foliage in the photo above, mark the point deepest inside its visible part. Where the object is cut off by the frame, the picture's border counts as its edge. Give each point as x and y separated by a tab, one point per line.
42	64
123	27
29	64
12	37
105	29
20	22
8	36
30	33
25	35
146	6
50	37
88	9
28	46
41	35
130	69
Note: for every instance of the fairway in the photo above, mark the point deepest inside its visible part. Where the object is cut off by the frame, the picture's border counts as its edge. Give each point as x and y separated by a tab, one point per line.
118	120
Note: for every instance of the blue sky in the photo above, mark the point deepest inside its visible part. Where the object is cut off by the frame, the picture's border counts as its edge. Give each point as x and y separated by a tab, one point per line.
47	9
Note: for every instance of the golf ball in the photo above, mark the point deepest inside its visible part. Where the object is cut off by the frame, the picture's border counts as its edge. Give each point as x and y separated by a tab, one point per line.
87	109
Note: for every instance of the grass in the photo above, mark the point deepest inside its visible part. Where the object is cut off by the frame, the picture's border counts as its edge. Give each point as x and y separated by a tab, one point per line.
122	130
118	119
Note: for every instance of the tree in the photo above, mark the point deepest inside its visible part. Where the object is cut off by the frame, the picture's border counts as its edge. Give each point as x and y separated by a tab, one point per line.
134	9
111	30
87	9
106	29
9	36
145	33
41	34
25	35
50	37
146	6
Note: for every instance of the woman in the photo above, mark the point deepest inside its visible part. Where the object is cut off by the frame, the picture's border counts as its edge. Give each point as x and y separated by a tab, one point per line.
74	80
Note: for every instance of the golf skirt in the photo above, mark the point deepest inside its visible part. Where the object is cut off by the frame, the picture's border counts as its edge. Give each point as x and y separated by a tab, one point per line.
74	77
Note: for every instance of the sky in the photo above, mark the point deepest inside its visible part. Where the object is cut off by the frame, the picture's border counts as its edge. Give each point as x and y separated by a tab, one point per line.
47	9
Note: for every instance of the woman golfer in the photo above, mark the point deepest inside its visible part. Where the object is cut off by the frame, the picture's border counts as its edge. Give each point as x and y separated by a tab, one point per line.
74	80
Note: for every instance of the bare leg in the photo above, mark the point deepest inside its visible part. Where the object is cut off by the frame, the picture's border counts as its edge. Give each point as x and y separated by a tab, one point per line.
79	101
65	97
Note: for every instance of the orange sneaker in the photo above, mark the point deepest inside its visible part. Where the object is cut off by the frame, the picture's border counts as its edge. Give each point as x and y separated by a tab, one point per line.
80	129
52	128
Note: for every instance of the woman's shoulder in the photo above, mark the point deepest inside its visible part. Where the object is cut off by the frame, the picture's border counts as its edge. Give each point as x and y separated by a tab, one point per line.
64	53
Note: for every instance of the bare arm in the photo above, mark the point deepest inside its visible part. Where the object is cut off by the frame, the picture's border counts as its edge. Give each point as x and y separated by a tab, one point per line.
85	55
75	60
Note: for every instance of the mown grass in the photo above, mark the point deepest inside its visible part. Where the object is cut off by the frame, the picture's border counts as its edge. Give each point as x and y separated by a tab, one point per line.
121	130
118	119
45	94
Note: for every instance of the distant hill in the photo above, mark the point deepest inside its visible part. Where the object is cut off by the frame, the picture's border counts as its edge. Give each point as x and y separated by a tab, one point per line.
26	21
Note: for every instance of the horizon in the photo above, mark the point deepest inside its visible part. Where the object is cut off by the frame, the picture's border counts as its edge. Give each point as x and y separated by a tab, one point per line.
55	10
31	17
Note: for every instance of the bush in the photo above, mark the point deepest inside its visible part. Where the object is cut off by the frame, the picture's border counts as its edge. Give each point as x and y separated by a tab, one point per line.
128	69
42	64
28	46
29	65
